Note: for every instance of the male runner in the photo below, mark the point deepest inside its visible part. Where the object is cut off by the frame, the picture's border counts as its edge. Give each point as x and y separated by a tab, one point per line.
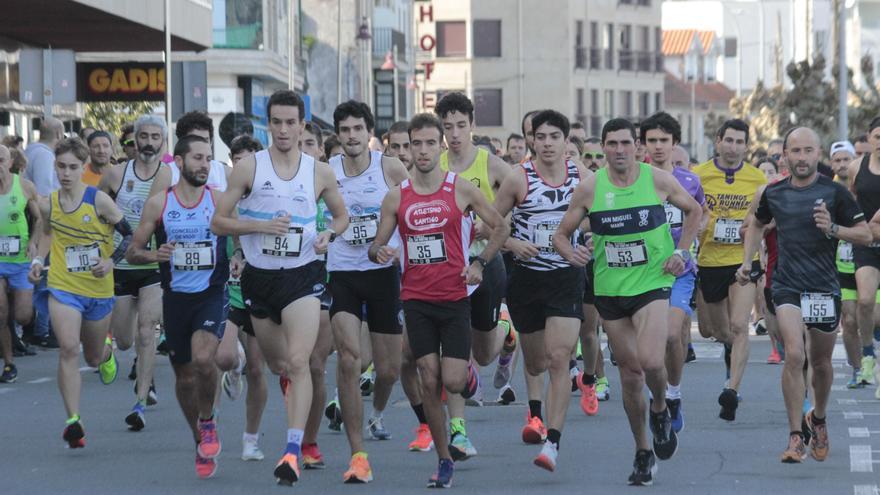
811	212
545	293
127	141
100	155
398	143
78	233
516	148
277	191
364	177
431	213
842	154
194	268
487	172
729	184
661	133
635	265
138	307
18	244
864	177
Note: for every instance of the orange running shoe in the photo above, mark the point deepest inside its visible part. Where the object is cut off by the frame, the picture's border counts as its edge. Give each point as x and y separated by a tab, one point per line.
819	442
534	431
205	468
774	357
287	470
358	470
589	400
312	458
424	441
209	447
796	451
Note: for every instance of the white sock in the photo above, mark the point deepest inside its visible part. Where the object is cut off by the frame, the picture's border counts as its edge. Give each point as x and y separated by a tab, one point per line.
250	437
673	391
377	414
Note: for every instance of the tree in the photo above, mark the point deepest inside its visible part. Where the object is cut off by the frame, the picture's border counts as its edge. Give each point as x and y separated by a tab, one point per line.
111	116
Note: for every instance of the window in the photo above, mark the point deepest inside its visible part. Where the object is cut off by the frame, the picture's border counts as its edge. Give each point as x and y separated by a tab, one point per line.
609	103
594	34
594	102
487	38
487	107
626	103
609	46
581	102
658	103
644	102
579	33
645	38
451	39
238	24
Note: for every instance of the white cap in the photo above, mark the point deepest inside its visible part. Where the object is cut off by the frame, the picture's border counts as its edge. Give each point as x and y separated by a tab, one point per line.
842	146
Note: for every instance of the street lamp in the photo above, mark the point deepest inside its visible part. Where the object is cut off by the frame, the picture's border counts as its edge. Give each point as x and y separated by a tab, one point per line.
391	65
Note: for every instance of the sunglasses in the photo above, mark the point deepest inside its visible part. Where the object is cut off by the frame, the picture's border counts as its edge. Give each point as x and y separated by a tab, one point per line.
129	142
594	155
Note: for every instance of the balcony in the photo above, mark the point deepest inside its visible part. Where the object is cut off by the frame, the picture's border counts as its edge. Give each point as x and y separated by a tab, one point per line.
580	57
626	59
385	39
645	61
595	58
609	58
658	61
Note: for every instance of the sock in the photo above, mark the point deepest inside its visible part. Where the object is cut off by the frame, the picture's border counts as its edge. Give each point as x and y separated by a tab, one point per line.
142	402
798	433
535	409
294	441
690	346
456	425
504	360
673	391
73	419
376	413
589	379
205	420
250	437
419	409
554	436
817	420
868	350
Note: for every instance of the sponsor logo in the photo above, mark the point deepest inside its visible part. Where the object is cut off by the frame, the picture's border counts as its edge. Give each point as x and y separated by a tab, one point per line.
86	218
129	186
267	186
173	214
609	200
427	215
643	218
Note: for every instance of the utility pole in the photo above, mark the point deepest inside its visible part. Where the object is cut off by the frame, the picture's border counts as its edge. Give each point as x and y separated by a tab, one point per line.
842	76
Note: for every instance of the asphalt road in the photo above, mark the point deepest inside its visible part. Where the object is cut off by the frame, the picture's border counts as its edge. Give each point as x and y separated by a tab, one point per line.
596	454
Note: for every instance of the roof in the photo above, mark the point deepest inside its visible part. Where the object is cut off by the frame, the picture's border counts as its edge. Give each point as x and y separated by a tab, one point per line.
707	94
679	41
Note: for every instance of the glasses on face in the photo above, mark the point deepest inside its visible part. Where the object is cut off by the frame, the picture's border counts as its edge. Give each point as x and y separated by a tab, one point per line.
128	142
594	155
776	156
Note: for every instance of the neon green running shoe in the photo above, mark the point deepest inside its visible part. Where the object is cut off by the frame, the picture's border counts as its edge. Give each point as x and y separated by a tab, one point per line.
867	375
602	389
109	369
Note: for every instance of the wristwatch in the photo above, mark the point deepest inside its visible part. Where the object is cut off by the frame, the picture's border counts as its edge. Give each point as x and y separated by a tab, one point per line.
684	254
480	260
333	235
834	228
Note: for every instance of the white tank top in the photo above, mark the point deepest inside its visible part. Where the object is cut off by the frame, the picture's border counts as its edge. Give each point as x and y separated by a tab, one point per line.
363	196
216	176
273	197
130	199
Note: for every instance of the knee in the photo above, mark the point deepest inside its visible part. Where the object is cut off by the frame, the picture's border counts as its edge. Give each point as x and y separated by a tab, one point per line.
348	361
146	337
559	359
298	365
317	365
23	317
630	372
94	358
123	343
70	351
482	356
535	367
226	361
794	357
186	379
455	382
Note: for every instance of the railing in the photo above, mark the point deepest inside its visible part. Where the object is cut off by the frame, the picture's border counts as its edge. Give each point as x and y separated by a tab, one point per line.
626	59
644	61
245	36
609	58
595	58
580	57
384	39
658	60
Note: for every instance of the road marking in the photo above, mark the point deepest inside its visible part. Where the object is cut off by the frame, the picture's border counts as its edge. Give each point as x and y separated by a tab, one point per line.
839	352
85	368
860	459
41	380
847	402
841	375
859	432
6	389
838	388
866	490
853	415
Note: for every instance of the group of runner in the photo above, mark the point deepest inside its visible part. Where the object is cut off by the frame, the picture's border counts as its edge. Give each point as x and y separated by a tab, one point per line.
436	257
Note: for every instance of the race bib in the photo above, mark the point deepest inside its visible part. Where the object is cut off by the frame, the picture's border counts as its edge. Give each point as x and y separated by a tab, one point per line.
626	254
82	258
845	252
543	236
286	246
189	256
10	245
727	231
361	230
818	308
674	216
425	249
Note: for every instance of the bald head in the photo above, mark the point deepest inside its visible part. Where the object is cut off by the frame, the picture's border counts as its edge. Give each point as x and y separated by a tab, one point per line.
51	131
802	149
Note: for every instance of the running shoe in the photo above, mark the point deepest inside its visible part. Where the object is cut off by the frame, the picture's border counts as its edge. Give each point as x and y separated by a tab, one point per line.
423	442
547	458
358	470
10	374
603	390
760	327
334	414
573	373
774	357
109	369
676	414
74	435
855	381
210	446
877	379
796	451
250	450
136	420
665	439
311	456
644	469
461	448
819	442
133	374
443	477
534	432
867	375
367	382
232	384
691	355
376	428
287	470
152	396
205	468
589	400
502	373
162	346
507	395
729	401
473	382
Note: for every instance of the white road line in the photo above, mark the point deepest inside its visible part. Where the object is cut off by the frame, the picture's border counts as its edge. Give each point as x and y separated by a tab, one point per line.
41	380
853	415
859	432
841	375
860	459
85	368
866	490
838	388
847	402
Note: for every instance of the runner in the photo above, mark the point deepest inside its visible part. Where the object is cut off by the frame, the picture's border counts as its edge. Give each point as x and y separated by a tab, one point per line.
545	293
805	289
636	262
363	178
78	234
864	177
277	191
18	244
194	270
661	133
100	156
398	143
729	184
487	172
138	307
431	214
